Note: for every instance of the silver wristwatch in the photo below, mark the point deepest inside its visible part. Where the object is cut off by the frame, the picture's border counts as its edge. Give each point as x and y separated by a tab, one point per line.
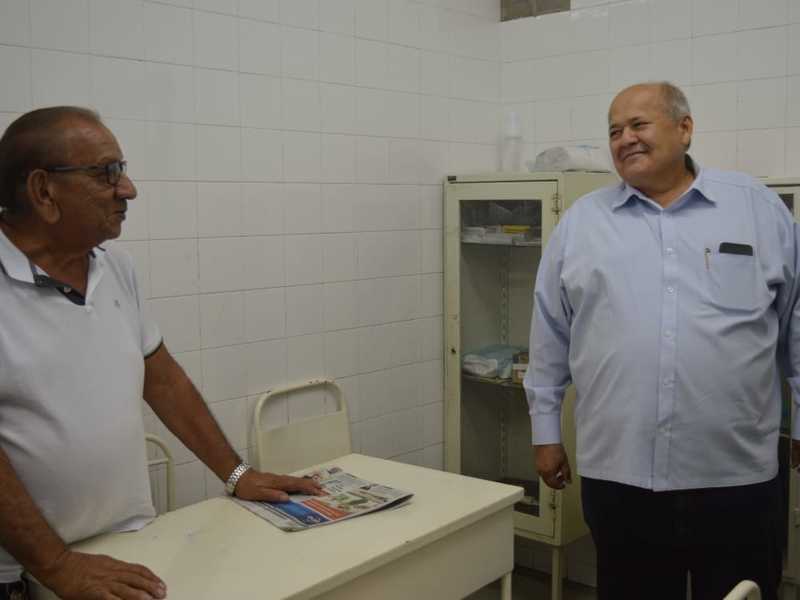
235	476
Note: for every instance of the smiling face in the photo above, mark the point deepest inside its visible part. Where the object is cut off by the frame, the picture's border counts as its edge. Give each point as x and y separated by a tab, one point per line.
91	209
647	144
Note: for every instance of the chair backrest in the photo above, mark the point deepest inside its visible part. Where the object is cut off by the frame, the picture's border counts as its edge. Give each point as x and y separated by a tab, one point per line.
745	590
165	459
303	443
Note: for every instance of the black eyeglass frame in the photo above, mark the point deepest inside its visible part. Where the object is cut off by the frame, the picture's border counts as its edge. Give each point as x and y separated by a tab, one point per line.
113	170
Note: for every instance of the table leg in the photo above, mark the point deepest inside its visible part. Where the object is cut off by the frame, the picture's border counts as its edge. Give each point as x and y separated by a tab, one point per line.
505	587
788	591
557	573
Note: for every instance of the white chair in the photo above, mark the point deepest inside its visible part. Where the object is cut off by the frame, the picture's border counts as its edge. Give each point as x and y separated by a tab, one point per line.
165	459
303	443
745	590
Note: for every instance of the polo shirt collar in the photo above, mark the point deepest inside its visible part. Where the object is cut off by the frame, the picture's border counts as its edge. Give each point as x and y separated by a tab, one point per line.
18	266
698	189
15	264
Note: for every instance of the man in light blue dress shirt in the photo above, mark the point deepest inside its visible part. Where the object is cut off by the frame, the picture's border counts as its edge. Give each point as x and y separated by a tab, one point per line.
670	302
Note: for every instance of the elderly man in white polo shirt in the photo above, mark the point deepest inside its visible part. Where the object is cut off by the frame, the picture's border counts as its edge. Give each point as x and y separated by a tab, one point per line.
77	355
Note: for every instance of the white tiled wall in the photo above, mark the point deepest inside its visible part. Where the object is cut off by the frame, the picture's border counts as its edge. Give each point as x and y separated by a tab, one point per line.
289	157
737	60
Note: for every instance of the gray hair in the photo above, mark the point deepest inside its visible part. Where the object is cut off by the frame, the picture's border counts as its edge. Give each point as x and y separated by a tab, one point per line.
34	141
676	106
675	102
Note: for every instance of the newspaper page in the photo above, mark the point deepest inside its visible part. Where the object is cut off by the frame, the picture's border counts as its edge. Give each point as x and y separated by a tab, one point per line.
346	496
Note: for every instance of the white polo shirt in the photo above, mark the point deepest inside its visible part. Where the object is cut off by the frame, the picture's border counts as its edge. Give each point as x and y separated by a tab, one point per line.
71	382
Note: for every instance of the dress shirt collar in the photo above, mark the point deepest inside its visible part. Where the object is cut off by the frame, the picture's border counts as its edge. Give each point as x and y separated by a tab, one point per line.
699	189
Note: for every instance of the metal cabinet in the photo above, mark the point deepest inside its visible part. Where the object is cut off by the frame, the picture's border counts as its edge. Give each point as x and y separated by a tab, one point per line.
496	226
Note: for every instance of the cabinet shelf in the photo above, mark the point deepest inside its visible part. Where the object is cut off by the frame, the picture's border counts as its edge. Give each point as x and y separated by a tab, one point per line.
530	502
530	244
506	383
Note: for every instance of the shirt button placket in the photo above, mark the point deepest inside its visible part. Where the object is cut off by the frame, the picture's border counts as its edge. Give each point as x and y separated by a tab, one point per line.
668	351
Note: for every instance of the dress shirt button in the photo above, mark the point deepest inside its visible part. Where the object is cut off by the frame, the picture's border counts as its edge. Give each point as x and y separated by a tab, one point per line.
670	290
670	250
668	333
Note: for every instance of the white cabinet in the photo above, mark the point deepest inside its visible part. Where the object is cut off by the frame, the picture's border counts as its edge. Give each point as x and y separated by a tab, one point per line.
788	189
495	228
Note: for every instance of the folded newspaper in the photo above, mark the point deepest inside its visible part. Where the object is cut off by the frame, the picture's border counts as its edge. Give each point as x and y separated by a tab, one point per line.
345	497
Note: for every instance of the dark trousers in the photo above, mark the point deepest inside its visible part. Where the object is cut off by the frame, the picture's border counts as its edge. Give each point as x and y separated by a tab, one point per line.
647	542
13	591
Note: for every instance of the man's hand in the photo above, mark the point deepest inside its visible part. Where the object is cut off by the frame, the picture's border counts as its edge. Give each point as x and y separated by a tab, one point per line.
78	576
269	487
552	465
796	455
175	400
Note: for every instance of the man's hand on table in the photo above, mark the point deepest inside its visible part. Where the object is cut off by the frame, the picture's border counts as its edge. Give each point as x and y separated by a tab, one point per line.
79	576
269	487
552	465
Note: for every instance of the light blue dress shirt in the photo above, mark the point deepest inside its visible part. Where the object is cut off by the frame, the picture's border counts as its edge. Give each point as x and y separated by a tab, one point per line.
670	343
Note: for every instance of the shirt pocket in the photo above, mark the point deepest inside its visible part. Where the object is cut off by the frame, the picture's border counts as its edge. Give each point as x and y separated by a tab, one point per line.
734	281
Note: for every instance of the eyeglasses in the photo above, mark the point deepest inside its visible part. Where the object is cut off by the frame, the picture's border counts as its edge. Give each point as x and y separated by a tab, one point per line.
113	170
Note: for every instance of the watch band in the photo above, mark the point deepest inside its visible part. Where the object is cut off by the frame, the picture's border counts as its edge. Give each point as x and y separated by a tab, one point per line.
235	476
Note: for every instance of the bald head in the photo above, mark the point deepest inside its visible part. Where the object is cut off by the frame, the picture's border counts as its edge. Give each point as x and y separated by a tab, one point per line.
40	138
673	100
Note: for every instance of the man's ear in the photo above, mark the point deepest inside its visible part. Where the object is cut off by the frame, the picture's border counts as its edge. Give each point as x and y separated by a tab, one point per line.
687	129
41	198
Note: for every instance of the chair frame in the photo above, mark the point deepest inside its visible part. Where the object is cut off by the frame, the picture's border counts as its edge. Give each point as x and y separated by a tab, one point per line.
744	590
340	415
164	460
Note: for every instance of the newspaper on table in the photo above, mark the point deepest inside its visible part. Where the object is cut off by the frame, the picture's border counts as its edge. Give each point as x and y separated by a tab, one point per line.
346	496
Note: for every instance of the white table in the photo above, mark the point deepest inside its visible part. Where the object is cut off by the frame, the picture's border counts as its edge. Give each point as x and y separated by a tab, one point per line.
455	537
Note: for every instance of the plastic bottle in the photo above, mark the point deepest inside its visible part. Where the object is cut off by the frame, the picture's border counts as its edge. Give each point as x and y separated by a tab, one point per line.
511	143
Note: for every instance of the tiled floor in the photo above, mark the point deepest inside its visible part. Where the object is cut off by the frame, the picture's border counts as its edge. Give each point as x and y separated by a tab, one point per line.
532	585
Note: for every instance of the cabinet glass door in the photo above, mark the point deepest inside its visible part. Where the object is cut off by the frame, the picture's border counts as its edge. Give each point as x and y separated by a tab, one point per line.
496	233
790	196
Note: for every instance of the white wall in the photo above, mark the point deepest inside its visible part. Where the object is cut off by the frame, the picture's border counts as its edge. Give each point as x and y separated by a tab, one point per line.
289	157
737	60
